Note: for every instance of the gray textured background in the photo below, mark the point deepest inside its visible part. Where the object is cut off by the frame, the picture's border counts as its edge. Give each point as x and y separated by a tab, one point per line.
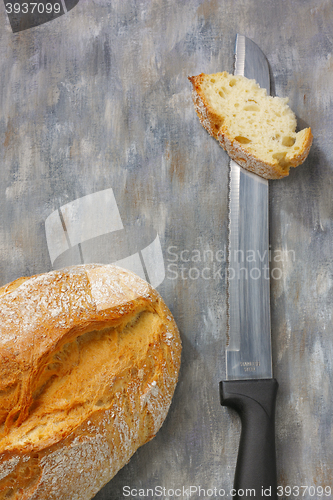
99	98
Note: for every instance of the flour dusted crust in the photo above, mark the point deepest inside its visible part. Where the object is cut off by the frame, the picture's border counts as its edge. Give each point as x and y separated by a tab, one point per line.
89	360
257	131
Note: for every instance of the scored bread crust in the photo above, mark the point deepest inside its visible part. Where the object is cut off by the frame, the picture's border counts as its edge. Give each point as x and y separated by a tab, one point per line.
89	360
218	126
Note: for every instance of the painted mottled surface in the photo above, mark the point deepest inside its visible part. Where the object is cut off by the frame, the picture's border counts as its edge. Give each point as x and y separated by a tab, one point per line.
98	99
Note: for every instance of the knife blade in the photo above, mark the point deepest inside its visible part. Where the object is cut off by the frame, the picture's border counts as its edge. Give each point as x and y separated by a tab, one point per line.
250	388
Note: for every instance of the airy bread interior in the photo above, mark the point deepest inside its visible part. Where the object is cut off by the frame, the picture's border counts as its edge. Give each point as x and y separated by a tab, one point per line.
250	124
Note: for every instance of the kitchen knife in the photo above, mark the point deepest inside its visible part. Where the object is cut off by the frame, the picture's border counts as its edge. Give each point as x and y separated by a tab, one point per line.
249	387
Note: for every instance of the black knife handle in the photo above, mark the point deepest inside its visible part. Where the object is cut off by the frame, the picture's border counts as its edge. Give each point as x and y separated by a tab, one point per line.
254	401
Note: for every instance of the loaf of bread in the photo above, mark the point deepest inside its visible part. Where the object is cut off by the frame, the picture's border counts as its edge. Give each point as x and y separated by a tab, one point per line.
257	131
89	360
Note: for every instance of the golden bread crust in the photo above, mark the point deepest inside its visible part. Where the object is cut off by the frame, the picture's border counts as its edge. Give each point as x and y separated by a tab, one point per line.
209	118
89	362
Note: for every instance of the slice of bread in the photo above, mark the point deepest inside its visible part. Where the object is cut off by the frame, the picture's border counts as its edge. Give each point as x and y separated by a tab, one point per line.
257	131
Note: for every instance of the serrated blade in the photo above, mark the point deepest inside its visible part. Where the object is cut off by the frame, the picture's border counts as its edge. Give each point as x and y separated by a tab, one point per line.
248	354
